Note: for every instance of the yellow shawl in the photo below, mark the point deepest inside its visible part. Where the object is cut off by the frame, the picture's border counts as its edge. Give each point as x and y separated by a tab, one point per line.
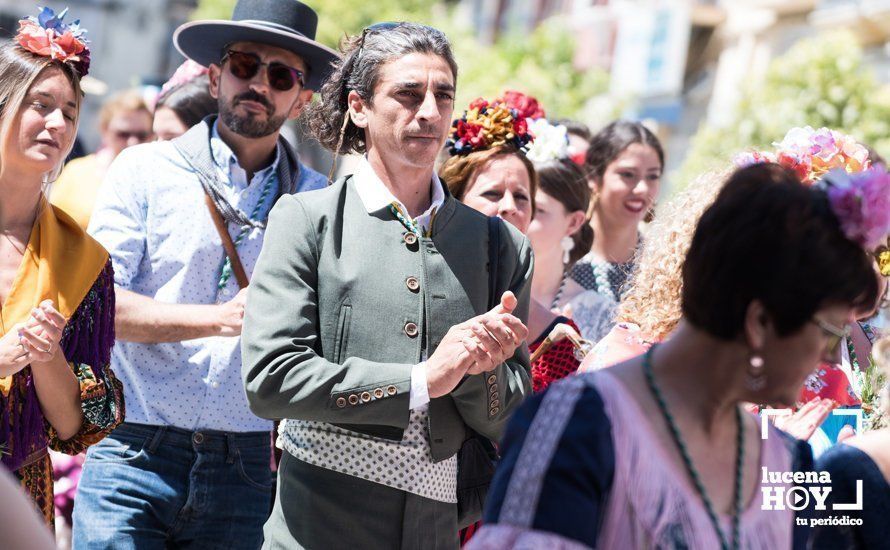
61	263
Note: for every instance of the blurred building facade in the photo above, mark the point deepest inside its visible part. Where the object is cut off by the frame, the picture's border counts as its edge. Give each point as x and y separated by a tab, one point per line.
682	63
130	43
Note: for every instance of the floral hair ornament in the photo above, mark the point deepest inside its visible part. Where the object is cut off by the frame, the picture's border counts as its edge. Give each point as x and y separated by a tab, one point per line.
48	35
525	105
488	124
884	262
861	203
812	153
551	141
184	74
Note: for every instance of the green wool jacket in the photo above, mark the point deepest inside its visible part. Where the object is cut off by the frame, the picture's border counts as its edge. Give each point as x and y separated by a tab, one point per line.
343	303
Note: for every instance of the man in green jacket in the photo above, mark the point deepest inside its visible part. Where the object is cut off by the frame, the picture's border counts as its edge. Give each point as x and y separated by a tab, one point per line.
369	325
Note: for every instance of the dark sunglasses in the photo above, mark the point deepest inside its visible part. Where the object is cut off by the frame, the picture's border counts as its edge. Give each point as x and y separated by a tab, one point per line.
245	66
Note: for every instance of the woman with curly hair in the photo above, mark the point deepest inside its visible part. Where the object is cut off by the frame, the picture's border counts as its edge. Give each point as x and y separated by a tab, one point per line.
651	309
637	455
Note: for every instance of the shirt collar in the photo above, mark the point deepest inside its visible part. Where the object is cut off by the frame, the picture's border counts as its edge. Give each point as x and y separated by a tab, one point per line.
224	158
375	196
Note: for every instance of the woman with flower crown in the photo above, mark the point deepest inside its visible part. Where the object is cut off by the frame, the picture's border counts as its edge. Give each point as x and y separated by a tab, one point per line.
56	286
637	455
492	170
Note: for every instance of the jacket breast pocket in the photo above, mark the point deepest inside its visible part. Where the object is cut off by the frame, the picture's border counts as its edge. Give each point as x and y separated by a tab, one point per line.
342	338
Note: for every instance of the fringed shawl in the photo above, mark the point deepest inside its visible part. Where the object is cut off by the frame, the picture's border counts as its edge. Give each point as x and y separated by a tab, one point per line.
61	263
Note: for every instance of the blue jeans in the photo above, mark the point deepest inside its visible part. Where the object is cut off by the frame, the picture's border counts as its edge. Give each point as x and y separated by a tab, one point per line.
155	487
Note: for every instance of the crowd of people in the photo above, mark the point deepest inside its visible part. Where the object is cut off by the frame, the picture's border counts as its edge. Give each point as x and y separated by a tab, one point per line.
485	335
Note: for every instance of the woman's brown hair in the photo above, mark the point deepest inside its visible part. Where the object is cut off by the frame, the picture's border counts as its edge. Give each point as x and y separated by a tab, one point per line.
460	171
566	182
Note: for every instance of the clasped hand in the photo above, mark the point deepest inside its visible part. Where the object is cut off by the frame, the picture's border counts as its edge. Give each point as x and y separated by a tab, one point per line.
475	346
34	341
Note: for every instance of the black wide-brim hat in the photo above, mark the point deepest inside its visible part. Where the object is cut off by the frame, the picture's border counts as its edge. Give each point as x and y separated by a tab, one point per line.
287	24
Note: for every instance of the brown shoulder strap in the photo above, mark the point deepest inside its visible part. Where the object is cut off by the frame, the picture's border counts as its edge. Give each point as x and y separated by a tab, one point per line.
231	251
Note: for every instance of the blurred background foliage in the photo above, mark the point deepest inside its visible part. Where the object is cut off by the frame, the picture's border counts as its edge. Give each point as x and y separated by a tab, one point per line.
820	81
537	63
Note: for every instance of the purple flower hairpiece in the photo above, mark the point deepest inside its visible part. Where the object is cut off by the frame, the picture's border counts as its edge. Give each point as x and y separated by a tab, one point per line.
861	202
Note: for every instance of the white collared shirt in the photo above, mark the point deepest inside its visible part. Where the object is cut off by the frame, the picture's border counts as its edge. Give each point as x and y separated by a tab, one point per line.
375	196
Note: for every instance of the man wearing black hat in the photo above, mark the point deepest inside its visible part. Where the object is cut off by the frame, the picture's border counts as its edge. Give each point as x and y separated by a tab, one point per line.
184	222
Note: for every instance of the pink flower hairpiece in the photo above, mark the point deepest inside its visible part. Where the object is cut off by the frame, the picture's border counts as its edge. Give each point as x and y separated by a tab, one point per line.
812	153
186	72
861	203
49	36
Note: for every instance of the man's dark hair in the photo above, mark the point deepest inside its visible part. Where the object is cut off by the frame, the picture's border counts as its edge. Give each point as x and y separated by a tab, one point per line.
363	57
768	237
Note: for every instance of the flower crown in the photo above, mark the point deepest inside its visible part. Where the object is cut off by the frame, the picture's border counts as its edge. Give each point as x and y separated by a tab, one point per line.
488	124
551	141
47	35
812	153
884	262
861	203
525	105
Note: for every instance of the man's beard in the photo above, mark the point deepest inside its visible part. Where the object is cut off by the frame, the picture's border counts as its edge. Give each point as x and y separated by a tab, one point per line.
250	126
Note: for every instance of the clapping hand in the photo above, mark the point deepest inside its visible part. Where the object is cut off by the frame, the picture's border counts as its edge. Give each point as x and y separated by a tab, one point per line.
42	333
36	340
494	336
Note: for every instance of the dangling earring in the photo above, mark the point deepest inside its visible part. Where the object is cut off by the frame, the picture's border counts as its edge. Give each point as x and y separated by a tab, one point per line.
756	379
568	244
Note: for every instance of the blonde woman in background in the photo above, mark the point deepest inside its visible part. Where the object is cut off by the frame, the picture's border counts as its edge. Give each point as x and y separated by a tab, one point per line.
125	120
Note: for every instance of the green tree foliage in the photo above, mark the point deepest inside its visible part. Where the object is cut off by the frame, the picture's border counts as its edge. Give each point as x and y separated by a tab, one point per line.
820	81
539	63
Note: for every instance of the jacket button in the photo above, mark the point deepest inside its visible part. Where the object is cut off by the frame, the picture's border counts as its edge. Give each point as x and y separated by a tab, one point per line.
412	283
492	379
495	404
353	399
391	390
411	329
493	388
494	411
378	393
366	396
341	402
410	238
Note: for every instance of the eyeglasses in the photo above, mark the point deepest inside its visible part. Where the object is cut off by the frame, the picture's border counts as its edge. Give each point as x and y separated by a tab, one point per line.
245	66
835	334
125	135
